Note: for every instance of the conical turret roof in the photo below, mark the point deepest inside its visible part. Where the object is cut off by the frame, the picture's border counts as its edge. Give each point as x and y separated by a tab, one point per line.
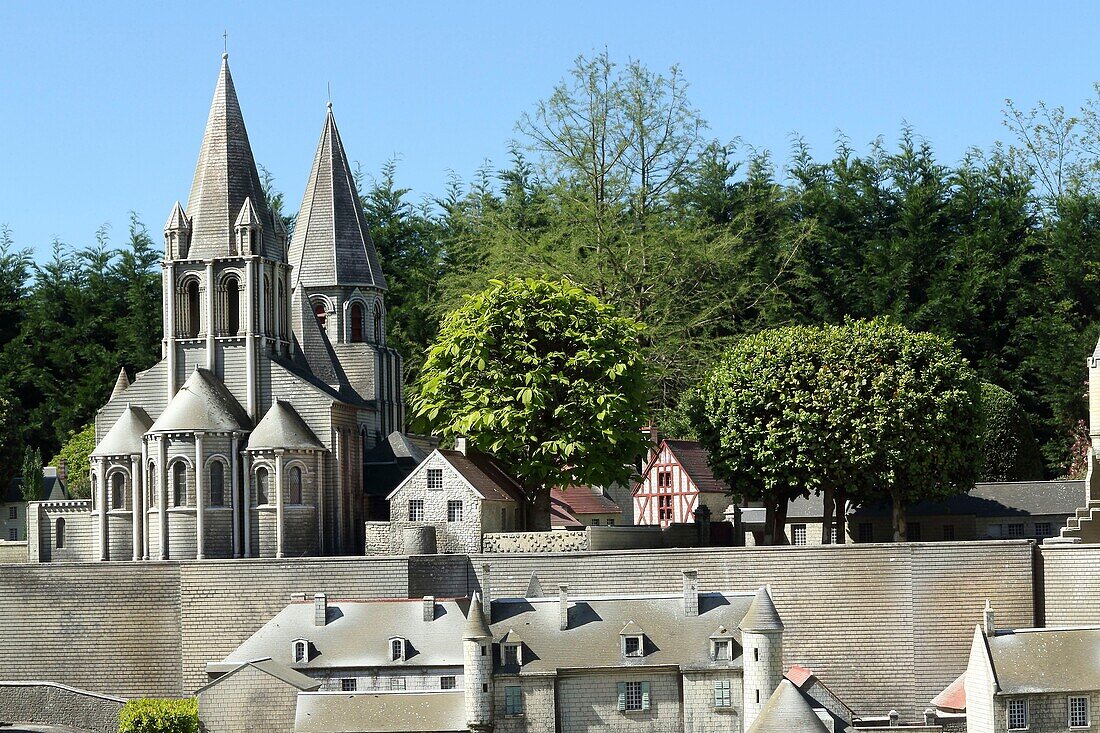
124	437
203	404
225	176
331	244
284	428
761	615
476	627
177	220
787	711
248	215
121	383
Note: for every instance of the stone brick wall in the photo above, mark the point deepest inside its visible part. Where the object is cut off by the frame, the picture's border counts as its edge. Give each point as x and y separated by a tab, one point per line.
11	552
248	700
700	714
52	704
589	702
539	712
561	541
1070	584
1046	713
452	537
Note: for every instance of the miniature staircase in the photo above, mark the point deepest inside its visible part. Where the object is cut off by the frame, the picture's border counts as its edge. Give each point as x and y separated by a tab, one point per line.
1084	526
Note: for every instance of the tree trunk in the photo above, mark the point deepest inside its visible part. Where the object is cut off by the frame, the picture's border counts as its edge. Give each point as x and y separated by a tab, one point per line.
899	516
841	499
538	511
769	519
827	516
779	533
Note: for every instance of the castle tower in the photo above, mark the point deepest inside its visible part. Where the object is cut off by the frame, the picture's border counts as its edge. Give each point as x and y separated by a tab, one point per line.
762	650
477	663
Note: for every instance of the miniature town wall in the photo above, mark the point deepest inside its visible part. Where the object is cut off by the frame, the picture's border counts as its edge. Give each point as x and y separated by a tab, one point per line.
885	626
1069	584
49	703
13	552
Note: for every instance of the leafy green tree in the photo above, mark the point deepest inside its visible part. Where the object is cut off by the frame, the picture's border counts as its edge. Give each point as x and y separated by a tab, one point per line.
1009	449
75	454
31	472
546	378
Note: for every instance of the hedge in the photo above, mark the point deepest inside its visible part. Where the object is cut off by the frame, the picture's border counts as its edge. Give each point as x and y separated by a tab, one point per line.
155	715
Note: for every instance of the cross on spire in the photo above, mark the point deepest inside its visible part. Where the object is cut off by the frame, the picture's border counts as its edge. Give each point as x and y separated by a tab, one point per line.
225	41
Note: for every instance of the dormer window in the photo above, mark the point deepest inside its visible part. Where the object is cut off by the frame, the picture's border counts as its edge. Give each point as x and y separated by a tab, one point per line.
511	654
301	651
397	650
721	645
632	645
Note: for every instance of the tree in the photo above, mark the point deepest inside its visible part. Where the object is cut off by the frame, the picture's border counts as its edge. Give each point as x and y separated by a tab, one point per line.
75	454
33	485
1009	449
546	378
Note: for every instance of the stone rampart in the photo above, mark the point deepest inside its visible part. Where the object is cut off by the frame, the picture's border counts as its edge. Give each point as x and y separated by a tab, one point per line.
48	703
512	542
12	552
1069	584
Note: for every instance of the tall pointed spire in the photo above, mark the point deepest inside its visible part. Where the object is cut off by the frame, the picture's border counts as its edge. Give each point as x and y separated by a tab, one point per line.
331	244
225	176
121	383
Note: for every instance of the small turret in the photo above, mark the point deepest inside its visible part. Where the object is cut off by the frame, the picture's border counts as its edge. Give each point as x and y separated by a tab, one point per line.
248	231
762	646
121	383
477	662
177	234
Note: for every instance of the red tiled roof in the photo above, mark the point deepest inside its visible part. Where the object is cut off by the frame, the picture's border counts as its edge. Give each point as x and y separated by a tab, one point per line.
694	461
582	500
799	675
954	696
560	516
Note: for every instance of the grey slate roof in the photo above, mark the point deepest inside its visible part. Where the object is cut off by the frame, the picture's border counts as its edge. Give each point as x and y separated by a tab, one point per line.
202	403
476	628
120	384
997	499
389	463
284	428
693	459
485	474
331	244
53	490
431	711
1046	660
761	615
787	711
125	436
225	176
357	635
274	669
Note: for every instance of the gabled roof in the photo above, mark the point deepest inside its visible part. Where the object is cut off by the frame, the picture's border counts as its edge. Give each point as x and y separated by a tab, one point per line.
693	459
1047	660
202	404
787	711
125	436
284	428
762	615
331	244
483	473
561	516
268	667
225	175
53	490
582	500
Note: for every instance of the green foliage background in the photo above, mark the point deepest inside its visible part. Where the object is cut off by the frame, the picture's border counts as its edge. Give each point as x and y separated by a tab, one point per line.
1009	449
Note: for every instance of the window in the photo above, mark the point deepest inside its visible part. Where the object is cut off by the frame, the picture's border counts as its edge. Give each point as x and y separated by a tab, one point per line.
13	534
192	293
356	316
1078	712
447	682
1043	529
397	683
722	694
664	508
261	486
798	534
349	684
1016	530
866	532
319	311
949	532
217	484
295	485
912	532
435	478
397	650
756	654
1017	714
416	510
454	511
59	533
721	650
300	648
511	655
633	696
151	485
632	646
595	521
664	479
179	483
377	323
834	535
118	491
610	522
282	311
513	700
232	306
13	512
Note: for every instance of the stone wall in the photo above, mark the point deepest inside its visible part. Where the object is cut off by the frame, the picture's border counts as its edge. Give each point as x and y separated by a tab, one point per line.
590	702
1070	584
539	711
12	552
53	704
509	542
700	714
248	699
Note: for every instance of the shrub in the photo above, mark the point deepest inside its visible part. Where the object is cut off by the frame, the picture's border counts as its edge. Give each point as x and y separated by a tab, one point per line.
155	715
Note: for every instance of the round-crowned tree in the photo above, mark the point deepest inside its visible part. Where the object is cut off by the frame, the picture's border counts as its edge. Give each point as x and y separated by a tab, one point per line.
1009	449
543	376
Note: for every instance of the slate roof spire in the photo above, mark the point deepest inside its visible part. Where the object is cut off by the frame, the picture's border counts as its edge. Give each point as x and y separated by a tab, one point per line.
225	176
121	383
331	244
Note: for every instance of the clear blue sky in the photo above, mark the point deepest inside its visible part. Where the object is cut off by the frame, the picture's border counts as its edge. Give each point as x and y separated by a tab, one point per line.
102	107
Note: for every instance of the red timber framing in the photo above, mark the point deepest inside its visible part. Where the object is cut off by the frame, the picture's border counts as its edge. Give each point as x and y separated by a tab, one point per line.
666	494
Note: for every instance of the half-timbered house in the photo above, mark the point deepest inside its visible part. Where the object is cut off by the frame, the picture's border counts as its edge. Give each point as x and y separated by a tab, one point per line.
676	482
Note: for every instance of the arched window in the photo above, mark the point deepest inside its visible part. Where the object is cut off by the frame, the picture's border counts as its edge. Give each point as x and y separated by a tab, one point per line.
151	484
269	304
217	484
118	490
319	311
295	485
179	484
397	650
300	649
261	486
59	533
193	312
95	490
377	323
254	240
282	311
232	306
356	323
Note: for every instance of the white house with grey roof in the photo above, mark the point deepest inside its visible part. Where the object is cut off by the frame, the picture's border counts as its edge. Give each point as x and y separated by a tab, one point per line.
247	438
690	661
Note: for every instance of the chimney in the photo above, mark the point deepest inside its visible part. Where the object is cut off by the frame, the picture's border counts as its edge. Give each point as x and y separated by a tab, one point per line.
691	592
429	608
63	471
320	609
929	718
990	625
487	592
895	718
563	607
460	445
653	435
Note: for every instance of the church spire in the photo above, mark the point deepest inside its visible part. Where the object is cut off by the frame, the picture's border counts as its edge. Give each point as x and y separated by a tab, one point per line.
225	176
331	245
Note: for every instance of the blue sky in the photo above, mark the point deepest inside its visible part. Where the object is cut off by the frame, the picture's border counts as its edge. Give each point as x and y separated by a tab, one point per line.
102	106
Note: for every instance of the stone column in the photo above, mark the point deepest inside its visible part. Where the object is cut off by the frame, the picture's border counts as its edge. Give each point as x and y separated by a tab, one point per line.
246	505
136	496
234	499
338	453
162	502
250	344
210	294
200	499
101	482
279	512
170	327
145	492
